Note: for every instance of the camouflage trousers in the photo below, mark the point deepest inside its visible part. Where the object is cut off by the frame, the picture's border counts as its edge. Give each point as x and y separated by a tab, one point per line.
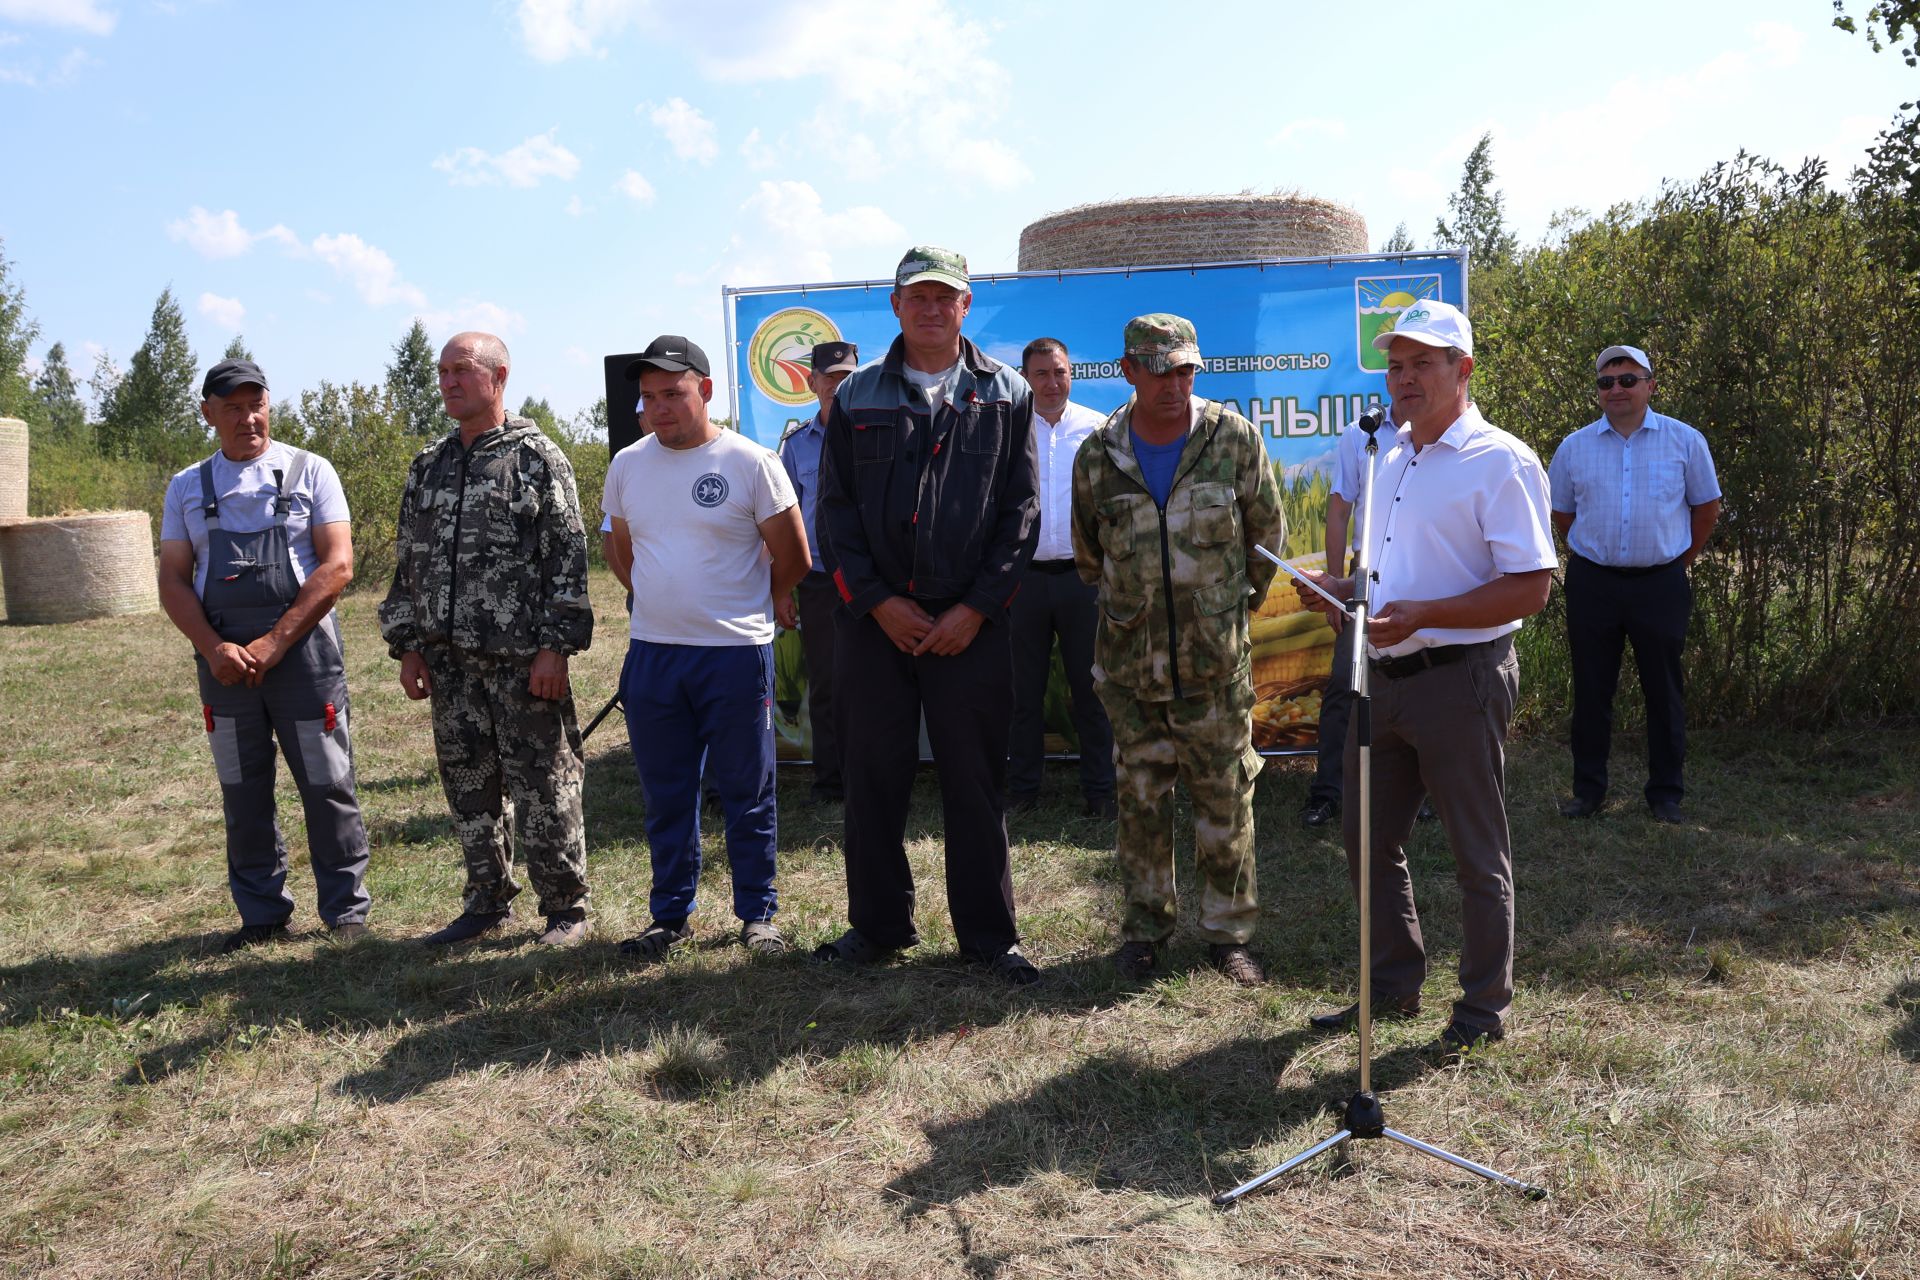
509	758
1206	741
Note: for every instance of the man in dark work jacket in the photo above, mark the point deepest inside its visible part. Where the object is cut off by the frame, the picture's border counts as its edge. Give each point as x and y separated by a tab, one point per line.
929	512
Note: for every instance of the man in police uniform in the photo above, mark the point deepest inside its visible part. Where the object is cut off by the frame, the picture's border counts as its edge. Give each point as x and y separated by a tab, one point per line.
1053	600
927	512
489	599
810	609
1169	499
255	547
1636	498
1460	551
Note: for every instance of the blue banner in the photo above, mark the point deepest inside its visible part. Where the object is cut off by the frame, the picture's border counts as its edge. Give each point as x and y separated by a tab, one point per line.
1287	344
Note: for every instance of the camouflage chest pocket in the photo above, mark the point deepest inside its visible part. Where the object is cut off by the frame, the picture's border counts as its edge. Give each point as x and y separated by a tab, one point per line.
1215	520
1120	526
506	507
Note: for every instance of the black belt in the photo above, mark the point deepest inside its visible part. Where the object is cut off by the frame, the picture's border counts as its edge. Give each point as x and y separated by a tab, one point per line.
1419	660
1626	571
1051	566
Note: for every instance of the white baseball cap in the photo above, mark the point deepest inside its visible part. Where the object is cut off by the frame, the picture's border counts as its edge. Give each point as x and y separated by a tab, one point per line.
1436	324
1611	354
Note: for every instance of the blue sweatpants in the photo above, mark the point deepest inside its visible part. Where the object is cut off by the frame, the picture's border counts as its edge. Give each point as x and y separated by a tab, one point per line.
683	700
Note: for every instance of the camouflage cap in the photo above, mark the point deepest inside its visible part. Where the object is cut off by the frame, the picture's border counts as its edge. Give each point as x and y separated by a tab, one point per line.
926	262
1160	342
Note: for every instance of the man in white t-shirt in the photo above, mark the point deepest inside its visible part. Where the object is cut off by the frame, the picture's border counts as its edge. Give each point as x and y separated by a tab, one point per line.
255	546
1053	601
698	513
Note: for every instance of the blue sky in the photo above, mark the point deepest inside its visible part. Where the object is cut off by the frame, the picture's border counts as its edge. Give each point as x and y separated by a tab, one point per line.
579	175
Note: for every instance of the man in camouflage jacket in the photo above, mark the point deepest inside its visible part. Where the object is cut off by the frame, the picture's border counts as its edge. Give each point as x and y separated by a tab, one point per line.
489	599
1169	498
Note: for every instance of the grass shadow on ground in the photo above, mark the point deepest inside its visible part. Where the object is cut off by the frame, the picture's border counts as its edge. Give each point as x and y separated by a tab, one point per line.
1111	1121
1905	1000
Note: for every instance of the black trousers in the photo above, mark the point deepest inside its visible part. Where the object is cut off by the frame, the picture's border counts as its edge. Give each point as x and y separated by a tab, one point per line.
968	701
1607	609
1053	602
818	602
1336	714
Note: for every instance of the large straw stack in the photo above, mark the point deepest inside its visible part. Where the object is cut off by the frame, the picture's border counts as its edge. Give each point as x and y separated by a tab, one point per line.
1158	230
13	478
66	568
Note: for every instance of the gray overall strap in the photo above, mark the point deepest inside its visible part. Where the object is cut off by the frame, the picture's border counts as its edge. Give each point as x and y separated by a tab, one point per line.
211	504
286	487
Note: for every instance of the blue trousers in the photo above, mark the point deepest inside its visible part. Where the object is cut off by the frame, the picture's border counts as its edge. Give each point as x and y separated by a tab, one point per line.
682	701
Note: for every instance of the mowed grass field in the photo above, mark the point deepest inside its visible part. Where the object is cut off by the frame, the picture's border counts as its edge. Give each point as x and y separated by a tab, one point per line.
1714	1063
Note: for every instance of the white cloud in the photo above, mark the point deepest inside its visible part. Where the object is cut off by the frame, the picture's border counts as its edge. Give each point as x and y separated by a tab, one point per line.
488	317
635	187
522	166
220	235
574	207
690	134
31	76
758	155
225	312
789	235
82	15
372	273
555	30
921	109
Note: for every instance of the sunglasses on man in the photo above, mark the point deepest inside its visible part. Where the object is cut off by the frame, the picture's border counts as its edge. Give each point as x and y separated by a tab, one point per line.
1628	380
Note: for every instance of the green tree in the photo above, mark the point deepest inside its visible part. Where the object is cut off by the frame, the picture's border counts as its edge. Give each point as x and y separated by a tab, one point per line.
155	410
58	395
104	385
413	383
237	350
543	416
1478	212
1889	181
589	426
359	430
1399	241
17	334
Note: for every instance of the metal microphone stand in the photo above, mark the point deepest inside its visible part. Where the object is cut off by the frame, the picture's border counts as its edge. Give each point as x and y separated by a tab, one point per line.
1364	1117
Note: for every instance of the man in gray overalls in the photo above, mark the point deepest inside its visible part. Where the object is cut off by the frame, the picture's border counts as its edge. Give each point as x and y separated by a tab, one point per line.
255	547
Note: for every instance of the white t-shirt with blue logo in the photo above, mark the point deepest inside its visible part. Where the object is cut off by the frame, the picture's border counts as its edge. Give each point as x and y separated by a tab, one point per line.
700	568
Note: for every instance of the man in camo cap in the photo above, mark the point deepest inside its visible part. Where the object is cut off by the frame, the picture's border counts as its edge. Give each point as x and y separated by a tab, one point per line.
1169	499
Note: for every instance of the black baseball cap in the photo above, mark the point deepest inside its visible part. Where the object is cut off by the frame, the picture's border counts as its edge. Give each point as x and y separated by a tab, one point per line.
835	357
229	376
672	353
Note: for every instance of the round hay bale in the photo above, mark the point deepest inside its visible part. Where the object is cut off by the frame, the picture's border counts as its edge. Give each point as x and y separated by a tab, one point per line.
66	568
1158	230
13	469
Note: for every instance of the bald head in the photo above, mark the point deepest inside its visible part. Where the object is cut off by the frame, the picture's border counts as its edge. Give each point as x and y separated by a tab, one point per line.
473	382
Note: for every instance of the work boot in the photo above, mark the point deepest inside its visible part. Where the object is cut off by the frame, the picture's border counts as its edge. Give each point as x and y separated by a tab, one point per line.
252	935
565	928
1136	960
1237	963
468	926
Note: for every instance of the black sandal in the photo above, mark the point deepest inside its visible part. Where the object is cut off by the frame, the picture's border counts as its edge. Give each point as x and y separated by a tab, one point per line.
1013	968
851	947
654	941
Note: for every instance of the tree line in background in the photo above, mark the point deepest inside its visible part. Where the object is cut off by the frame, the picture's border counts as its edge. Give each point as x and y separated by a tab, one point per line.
1777	311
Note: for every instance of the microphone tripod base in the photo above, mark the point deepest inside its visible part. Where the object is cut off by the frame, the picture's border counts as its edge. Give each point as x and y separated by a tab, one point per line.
1364	1118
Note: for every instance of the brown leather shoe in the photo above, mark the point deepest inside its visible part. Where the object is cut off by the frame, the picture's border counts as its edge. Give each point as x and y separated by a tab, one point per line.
1234	960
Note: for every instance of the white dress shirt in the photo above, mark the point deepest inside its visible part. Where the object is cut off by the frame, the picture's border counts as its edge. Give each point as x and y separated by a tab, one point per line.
1468	508
1056	444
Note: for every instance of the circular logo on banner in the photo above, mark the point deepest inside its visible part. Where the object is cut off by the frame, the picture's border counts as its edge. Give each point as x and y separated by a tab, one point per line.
780	353
710	490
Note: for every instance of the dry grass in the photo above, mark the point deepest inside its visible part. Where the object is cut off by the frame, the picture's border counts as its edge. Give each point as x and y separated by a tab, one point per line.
1712	1066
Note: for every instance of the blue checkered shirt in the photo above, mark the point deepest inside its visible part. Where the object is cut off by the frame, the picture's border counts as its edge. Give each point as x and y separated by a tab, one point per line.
1632	498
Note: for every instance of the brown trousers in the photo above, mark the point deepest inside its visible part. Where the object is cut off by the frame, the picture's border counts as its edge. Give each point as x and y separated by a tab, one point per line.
1442	731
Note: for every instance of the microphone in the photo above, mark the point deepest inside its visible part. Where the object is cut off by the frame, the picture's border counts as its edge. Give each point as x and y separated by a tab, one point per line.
1371	421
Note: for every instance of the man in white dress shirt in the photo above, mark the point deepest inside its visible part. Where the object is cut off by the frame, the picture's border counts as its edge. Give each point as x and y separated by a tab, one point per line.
1461	550
1053	601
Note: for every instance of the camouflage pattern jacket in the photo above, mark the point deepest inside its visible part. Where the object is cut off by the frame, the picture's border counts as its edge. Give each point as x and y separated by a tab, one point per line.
1176	583
491	556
